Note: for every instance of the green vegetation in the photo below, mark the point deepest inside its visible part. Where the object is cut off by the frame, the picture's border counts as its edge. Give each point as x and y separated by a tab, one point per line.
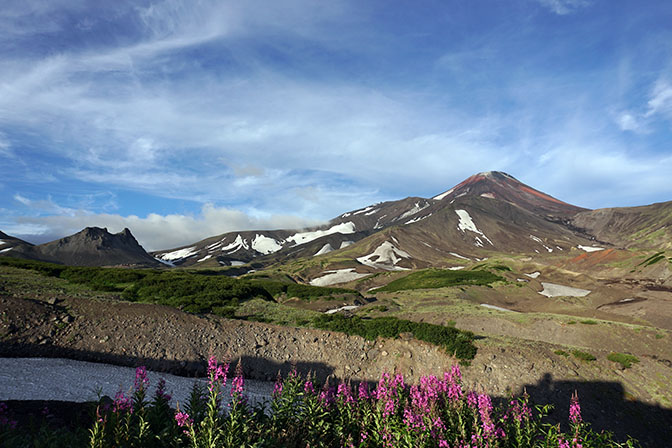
561	353
589	322
653	259
453	341
623	359
583	356
659	336
438	278
199	291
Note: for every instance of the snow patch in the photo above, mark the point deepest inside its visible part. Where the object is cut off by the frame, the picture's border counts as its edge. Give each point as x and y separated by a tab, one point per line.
540	241
417	219
372	212
466	223
456	268
214	246
4	242
534	274
498	308
337	276
237	263
179	254
488	195
590	248
364	210
306	237
459	256
5	250
343	308
265	245
443	195
239	243
385	257
325	250
346	244
417	208
553	290
204	258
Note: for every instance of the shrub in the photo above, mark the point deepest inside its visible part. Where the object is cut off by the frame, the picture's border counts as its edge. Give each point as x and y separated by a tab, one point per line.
583	356
561	353
455	342
623	359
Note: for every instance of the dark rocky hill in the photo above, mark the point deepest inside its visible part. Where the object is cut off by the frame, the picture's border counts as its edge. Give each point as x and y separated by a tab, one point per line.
92	246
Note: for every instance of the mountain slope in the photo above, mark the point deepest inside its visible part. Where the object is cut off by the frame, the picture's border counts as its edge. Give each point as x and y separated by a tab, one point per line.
647	226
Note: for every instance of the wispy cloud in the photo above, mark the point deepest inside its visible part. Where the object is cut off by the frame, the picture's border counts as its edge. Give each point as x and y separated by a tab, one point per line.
564	7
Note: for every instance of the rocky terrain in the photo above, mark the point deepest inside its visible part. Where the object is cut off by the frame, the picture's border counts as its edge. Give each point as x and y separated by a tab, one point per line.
53	319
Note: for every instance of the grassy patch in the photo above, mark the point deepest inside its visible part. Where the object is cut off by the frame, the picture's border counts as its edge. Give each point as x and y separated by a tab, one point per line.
455	342
583	356
623	359
653	259
589	322
659	336
571	322
561	353
438	278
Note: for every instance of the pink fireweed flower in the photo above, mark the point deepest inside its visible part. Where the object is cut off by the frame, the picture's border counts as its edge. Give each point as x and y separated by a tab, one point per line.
454	392
363	391
562	443
327	395
122	403
308	387
183	419
413	421
472	400
397	381
237	385
161	391
485	410
575	409
443	444
277	387
343	392
141	380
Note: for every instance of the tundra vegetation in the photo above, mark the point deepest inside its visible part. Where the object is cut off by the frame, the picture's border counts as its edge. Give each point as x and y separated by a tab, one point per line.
436	412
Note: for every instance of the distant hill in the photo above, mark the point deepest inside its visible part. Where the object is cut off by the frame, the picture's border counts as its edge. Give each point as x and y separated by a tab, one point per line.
92	246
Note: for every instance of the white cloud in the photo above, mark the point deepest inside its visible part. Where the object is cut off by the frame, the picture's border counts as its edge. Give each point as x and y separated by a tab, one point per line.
155	232
563	7
660	101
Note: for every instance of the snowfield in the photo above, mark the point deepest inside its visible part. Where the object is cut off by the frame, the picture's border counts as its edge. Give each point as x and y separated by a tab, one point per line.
5	250
590	248
466	223
534	274
325	250
443	195
343	308
385	257
265	245
179	254
417	208
553	290
238	243
346	244
79	381
337	276
204	258
498	308
306	237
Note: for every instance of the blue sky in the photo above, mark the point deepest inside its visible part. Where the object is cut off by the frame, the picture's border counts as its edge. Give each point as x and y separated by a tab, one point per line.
186	119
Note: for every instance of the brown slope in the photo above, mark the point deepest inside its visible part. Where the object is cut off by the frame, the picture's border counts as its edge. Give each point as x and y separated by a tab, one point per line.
648	226
502	186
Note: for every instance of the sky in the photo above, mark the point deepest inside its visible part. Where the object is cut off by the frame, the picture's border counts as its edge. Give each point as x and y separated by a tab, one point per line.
184	119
